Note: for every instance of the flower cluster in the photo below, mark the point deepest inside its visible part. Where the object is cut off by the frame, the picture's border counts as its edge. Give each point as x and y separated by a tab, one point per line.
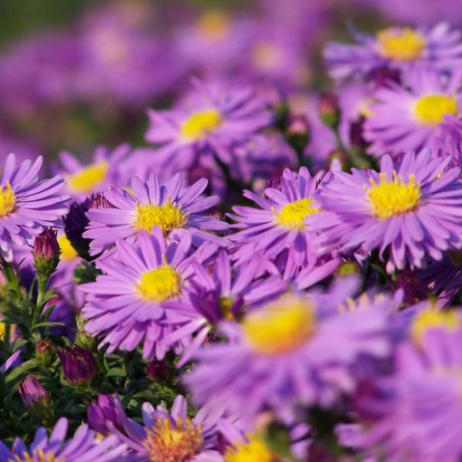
274	276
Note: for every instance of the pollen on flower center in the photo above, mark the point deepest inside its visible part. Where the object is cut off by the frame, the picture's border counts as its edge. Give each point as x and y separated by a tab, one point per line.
159	284
293	214
7	200
215	25
67	250
200	124
431	109
400	44
173	442
167	216
254	450
433	318
88	178
393	197
280	327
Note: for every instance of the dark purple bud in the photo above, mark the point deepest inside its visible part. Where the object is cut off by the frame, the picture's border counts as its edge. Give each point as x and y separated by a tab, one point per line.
32	393
415	290
106	408
157	370
98	201
46	252
79	365
384	75
275	179
74	225
329	109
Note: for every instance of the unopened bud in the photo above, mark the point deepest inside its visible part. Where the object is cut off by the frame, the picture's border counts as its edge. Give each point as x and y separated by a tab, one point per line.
329	110
46	252
79	365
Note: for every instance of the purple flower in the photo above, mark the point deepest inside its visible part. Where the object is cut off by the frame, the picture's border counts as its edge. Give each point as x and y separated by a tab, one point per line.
212	123
295	350
166	436
400	48
82	447
27	205
170	207
79	365
142	292
281	229
83	180
219	293
416	416
408	211
407	117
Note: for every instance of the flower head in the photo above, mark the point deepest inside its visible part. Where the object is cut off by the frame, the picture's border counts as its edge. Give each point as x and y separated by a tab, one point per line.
168	207
27	205
407	211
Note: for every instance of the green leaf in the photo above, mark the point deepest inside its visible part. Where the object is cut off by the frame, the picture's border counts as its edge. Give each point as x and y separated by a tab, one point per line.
21	369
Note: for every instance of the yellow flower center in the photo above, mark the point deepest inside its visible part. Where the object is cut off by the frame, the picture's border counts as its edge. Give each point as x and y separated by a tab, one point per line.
2	331
88	178
280	327
201	124
254	450
431	109
400	44
38	456
159	284
293	214
167	217
67	250
433	318
7	200
265	56
394	197
215	25
167	442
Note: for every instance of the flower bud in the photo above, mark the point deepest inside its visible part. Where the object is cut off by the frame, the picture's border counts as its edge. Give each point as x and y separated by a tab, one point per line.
44	351
32	392
157	370
79	365
74	225
46	252
298	132
329	110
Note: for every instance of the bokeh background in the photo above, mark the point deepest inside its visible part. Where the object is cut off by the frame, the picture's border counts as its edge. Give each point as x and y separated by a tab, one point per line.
76	74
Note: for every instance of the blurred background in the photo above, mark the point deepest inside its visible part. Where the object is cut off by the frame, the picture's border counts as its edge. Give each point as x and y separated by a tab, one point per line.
76	74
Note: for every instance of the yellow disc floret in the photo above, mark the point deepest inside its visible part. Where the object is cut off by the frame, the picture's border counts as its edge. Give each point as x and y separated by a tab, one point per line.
173	442
200	124
7	200
393	197
67	250
254	450
215	25
159	284
400	44
433	318
293	214
167	216
431	109
88	178
280	327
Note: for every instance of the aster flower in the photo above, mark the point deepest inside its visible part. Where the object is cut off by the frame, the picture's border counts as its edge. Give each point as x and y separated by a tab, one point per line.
83	180
137	298
408	211
419	413
292	351
407	116
165	436
219	293
212	122
282	227
401	48
27	205
444	277
82	447
170	207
